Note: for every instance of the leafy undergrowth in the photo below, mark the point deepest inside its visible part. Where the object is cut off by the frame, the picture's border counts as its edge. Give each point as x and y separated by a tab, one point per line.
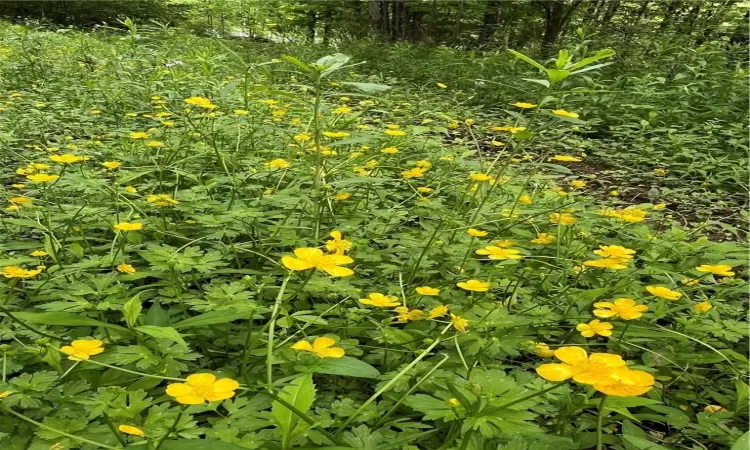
206	251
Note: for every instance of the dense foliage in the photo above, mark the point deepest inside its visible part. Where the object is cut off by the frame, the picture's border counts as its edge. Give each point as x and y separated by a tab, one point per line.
212	244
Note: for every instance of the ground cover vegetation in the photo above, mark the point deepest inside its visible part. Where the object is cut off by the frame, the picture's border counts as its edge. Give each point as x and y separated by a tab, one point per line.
211	243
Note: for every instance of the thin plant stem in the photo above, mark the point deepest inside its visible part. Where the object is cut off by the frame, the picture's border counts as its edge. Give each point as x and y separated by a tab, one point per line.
271	329
599	421
172	428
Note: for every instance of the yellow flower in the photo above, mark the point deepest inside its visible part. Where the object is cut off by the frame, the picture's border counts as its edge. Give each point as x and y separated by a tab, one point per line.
309	258
473	232
322	346
595	327
406	315
493	252
130	189
474	285
138	135
125	268
426	290
302	137
395	132
703	307
459	323
565	158
480	177
342	196
660	206
240	112
5	394
336	134
338	245
453	402
202	387
513	130
711	409
659	172
624	308
543	350
524	105
154	144
201	102
131	430
578	184
469	122
724	270
161	200
82	349
562	219
42	178
563	113
577	364
504	244
111	164
606	263
495	143
438	311
525	199
662	292
18	272
380	300
39	253
18	186
66	158
415	172
615	252
390	151
614	193
128	226
543	239
278	164
624	382
269	102
441	85
424	190
342	110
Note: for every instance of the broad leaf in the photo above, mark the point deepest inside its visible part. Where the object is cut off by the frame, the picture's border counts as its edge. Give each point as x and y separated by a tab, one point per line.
300	394
162	333
212	318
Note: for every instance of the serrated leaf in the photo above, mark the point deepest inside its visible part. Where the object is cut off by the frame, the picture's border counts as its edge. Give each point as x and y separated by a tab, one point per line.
162	333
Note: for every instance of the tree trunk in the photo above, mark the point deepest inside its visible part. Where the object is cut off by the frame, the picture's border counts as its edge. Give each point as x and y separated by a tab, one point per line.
312	22
611	10
327	25
490	22
556	16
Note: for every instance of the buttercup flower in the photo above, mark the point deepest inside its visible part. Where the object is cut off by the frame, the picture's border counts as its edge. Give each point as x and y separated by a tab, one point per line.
543	239
474	285
111	165
322	346
18	272
565	158
308	258
39	253
702	307
342	196
125	268
473	232
441	85
711	409
659	172
624	308
426	290
82	349
577	364
202	387
662	292
595	327
66	158
278	164
338	244
138	135
161	200
578	184
524	105
389	150
336	134
525	200
131	430
624	382
380	300
500	253
563	113
543	350
615	252
459	323
407	315
438	311
415	172
128	226
723	270
562	219
453	402
606	263
395	132
42	178
201	102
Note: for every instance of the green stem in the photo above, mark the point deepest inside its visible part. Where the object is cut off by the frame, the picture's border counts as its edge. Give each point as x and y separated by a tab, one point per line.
61	433
28	327
271	329
599	420
172	428
120	438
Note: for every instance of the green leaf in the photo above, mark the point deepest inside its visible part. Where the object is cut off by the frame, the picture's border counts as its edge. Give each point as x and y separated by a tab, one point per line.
556	75
162	333
298	63
544	83
213	318
131	310
629	402
199	444
367	88
300	393
156	315
346	366
606	53
67	319
643	444
526	59
743	443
